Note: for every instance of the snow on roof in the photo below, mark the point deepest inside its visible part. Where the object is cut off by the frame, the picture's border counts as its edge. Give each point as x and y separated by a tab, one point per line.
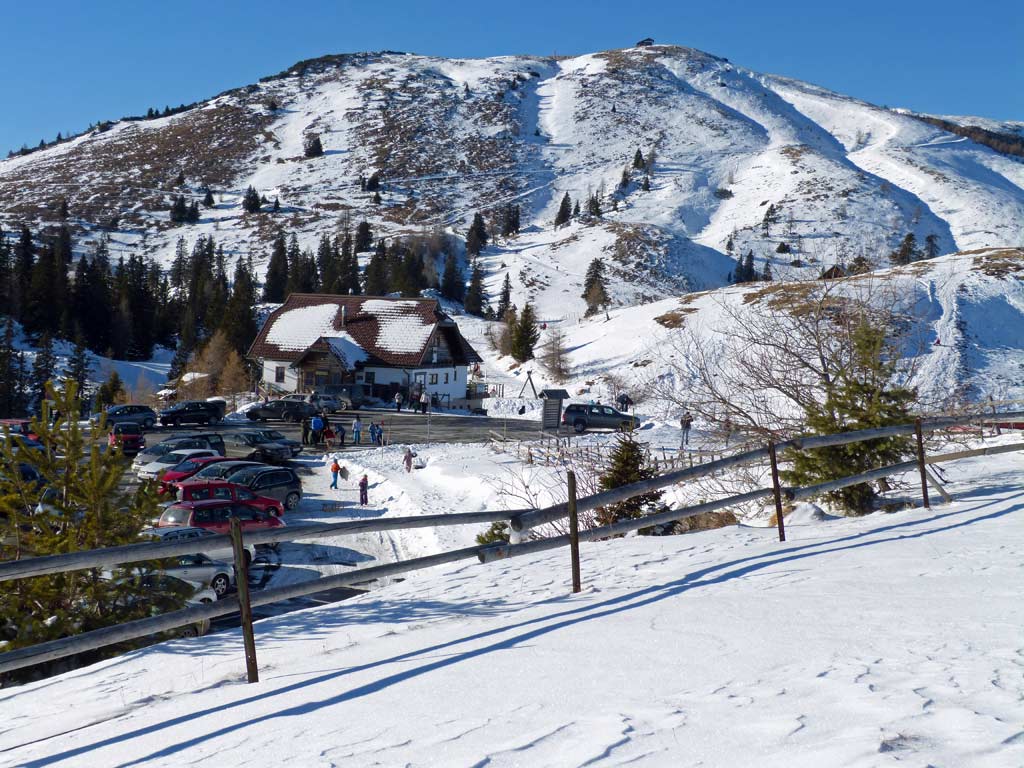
192	376
298	328
347	348
399	329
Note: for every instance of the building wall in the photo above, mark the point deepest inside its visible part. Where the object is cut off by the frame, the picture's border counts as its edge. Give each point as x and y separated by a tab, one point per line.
269	375
452	389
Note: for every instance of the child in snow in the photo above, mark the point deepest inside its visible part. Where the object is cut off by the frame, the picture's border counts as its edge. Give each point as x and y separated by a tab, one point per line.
407	459
363	485
398	402
335	471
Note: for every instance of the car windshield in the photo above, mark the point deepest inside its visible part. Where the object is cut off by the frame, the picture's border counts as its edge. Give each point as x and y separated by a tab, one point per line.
126	428
217	469
187	465
273	434
174	457
175	515
244	476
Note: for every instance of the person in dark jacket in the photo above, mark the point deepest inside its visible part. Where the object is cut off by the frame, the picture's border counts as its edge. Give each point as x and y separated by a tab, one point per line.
364	484
305	431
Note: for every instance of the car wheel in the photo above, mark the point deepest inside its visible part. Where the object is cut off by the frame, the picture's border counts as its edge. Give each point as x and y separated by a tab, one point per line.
220	584
291	501
148	424
213	420
579	427
189	631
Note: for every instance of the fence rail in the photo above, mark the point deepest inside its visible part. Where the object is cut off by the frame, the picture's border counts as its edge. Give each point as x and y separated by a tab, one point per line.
519	519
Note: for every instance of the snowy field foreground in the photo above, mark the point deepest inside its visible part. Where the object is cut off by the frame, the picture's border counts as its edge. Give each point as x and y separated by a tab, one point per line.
894	638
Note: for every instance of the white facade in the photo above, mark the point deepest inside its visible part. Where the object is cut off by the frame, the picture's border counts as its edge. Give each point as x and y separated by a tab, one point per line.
280	375
448	383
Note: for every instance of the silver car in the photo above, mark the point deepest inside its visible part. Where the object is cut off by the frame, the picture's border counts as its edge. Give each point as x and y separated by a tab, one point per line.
199	568
222	553
154	469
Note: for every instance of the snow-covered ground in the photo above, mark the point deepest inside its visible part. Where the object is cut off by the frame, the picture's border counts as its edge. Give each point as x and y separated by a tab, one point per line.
892	638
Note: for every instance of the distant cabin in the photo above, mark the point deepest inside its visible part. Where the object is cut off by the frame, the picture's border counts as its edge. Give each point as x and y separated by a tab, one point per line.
833	273
645	42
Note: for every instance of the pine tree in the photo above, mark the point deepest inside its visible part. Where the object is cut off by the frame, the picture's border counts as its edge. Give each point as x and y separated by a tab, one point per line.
377	273
111	391
277	271
8	372
646	185
638	160
907	252
239	321
626	465
931	246
782	248
79	367
192	215
44	366
505	297
452	285
861	396
564	211
373	182
364	237
251	203
475	297
208	201
748	272
24	261
626	180
595	287
476	236
62	208
276	207
576	209
311	146
766	273
770	217
594	205
526	335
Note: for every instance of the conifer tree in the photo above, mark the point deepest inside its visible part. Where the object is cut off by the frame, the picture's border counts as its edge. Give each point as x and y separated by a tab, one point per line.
24	261
505	297
377	273
595	287
907	252
638	160
475	297
311	146
626	180
79	366
111	391
476	236
452	285
277	271
251	202
646	185
9	403
931	246
208	201
861	396
564	211
364	237
626	465
239	321
62	208
44	366
526	335
766	273
373	183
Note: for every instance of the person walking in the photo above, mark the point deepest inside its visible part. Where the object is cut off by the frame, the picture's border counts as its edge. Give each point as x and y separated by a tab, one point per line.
373	433
407	459
357	431
398	402
328	434
341	435
316	429
364	484
335	471
305	431
685	422
380	433
424	401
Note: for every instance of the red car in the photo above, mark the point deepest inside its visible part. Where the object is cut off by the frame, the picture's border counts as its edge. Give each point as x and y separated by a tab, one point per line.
216	515
18	427
202	490
185	470
128	435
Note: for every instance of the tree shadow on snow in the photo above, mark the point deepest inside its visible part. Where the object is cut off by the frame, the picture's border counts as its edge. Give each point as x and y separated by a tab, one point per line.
525	631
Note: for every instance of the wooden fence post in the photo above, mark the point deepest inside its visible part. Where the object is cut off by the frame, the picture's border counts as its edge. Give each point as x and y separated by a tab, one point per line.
920	463
574	533
242	583
777	490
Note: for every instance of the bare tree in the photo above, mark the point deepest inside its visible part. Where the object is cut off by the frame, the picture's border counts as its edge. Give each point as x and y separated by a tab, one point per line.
553	356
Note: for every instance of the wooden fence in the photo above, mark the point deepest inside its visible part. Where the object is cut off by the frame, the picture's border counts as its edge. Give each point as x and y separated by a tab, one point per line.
520	520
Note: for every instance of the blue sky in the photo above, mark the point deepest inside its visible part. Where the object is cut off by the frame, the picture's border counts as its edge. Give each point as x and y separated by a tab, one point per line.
67	64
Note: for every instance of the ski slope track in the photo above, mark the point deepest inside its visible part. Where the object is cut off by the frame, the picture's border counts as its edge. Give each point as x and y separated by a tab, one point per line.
450	137
891	639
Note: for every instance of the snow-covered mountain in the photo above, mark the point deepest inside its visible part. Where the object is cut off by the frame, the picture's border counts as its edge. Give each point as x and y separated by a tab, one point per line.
449	137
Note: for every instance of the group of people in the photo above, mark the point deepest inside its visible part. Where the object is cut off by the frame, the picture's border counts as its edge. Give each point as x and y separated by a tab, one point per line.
318	429
376	432
420	402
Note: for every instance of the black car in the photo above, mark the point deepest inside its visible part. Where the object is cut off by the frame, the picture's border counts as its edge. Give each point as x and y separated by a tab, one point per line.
272	434
583	417
154	452
285	410
193	412
142	415
278	483
253	446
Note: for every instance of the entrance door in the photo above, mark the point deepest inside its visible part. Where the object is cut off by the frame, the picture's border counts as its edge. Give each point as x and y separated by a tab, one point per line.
419	382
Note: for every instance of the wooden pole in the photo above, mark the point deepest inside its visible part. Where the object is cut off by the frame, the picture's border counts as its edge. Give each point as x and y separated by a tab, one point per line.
998	431
777	490
242	582
574	534
921	463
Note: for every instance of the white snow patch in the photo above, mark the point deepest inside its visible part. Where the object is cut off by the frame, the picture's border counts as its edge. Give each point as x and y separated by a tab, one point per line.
298	328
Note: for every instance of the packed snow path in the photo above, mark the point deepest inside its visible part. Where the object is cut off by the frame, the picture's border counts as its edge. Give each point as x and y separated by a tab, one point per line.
859	642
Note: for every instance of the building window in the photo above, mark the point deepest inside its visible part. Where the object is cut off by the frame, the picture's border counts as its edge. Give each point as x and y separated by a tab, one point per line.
322	378
370	377
279	374
446	378
309	377
433	378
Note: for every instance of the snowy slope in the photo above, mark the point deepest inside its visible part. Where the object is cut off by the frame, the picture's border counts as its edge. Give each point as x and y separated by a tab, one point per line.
972	304
453	136
884	640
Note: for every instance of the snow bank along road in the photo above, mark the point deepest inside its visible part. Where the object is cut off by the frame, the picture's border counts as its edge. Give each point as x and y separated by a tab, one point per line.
875	641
